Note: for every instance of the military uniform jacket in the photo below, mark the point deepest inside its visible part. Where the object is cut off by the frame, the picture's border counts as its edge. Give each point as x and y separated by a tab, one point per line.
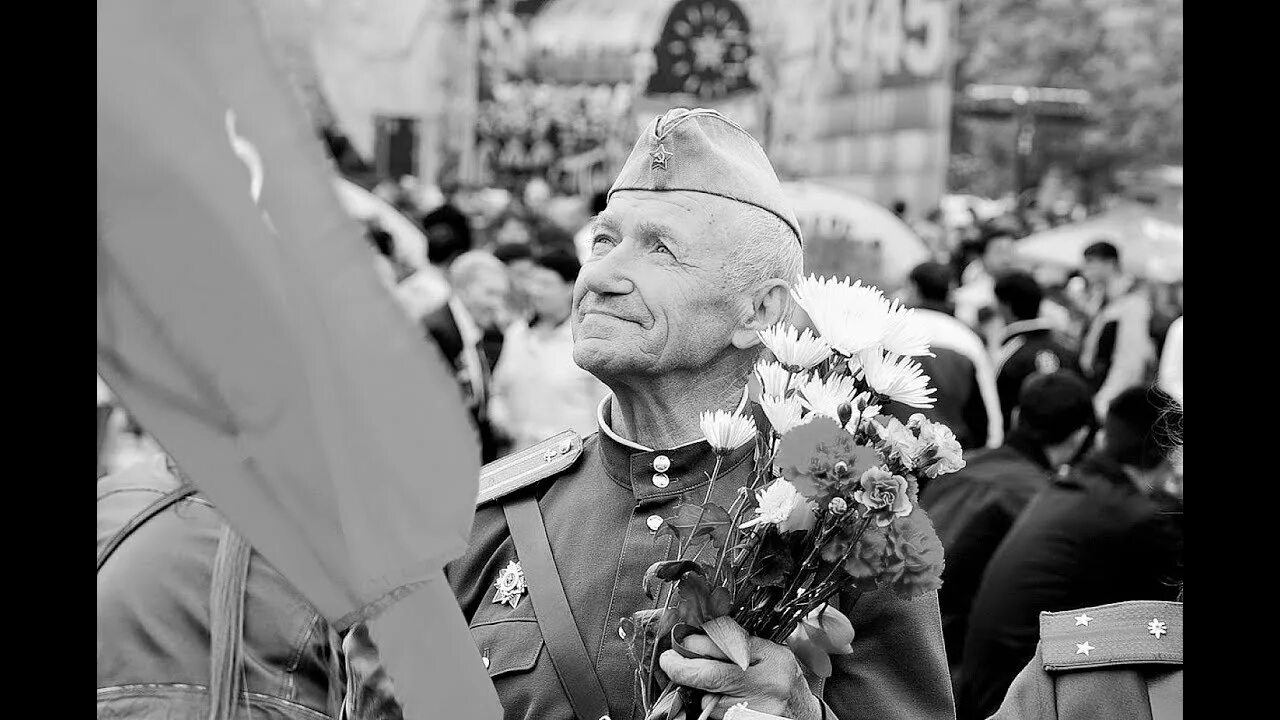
602	501
1122	660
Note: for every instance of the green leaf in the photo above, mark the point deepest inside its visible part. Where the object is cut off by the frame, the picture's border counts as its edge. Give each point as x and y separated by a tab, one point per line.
667	571
699	602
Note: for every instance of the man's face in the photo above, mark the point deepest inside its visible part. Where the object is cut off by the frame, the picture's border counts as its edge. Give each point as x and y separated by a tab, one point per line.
652	297
485	296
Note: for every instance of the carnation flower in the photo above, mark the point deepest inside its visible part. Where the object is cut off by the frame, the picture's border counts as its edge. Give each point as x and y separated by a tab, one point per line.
774	378
865	561
886	495
726	431
782	505
900	379
918	555
941	452
903	334
822	459
898	440
795	350
825	397
851	318
784	415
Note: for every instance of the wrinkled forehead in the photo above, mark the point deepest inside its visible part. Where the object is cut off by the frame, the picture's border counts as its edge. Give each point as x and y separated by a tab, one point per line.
695	221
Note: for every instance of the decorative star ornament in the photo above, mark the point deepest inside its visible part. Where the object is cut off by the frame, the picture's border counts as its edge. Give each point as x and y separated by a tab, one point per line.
1083	620
1084	648
510	585
1157	628
660	157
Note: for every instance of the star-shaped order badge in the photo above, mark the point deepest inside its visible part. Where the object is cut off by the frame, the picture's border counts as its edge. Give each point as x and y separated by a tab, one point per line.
510	584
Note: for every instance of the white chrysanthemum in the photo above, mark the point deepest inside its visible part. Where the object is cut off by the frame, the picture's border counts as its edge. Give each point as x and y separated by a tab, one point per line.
774	378
824	397
784	415
851	318
782	505
796	350
900	379
904	336
727	431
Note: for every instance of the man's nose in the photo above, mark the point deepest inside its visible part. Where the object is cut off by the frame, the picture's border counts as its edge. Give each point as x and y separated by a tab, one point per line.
607	275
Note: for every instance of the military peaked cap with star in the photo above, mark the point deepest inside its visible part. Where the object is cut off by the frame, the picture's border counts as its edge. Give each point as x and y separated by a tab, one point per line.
1128	633
703	151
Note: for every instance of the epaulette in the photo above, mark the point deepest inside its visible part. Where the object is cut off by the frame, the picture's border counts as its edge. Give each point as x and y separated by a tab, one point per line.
518	470
1128	633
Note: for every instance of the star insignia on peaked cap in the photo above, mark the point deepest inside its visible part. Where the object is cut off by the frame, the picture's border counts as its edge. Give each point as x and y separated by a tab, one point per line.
660	157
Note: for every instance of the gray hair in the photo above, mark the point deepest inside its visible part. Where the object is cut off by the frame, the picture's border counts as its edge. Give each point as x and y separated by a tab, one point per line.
471	263
768	249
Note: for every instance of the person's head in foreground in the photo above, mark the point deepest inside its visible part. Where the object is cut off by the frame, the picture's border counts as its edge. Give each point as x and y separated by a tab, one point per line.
929	284
1141	422
1018	296
692	257
1055	411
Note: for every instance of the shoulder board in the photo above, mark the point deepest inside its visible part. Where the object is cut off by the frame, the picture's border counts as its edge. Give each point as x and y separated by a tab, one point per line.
1128	633
519	470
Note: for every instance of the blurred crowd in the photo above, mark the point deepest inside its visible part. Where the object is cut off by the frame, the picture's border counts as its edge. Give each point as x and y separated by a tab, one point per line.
1065	389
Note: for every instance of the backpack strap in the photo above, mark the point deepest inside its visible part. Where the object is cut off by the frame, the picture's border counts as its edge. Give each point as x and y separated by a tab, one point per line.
226	623
155	508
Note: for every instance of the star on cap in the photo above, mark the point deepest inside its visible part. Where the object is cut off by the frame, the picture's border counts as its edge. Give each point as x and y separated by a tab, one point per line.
660	157
1157	628
1084	648
1083	620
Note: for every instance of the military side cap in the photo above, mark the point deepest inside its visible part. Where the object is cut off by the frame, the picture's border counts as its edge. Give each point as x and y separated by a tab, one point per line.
1127	633
522	469
703	151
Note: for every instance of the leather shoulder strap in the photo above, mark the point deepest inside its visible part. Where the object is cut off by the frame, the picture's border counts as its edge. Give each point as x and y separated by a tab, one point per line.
560	632
520	470
155	508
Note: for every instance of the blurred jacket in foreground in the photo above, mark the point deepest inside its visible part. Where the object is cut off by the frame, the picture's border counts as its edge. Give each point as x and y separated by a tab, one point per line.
189	614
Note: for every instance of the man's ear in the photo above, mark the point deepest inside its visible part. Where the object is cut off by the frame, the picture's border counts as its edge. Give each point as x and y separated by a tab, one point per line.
766	310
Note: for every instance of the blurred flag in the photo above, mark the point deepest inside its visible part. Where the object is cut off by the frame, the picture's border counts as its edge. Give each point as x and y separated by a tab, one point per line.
240	319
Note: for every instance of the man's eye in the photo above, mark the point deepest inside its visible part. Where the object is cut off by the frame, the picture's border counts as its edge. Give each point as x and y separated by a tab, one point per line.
662	248
601	244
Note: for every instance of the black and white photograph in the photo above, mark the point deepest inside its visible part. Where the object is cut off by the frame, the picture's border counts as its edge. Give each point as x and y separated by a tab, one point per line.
639	360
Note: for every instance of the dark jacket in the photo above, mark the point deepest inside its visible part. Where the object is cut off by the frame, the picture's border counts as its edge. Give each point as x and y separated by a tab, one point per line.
156	627
1090	538
972	510
441	327
1029	347
1111	661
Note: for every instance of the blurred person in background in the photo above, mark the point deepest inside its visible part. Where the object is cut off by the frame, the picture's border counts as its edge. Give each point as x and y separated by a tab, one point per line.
582	239
1108	531
121	440
538	390
478	303
1029	344
977	282
192	622
384	260
448	236
1117	351
934	234
960	369
519	262
511	227
973	508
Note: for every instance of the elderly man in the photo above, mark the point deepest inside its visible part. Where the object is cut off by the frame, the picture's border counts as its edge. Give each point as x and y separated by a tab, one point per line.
689	261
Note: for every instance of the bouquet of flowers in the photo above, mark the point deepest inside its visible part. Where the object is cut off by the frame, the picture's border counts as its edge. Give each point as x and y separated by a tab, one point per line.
831	506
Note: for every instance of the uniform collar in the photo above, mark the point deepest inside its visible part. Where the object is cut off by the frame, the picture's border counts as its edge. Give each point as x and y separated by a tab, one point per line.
663	473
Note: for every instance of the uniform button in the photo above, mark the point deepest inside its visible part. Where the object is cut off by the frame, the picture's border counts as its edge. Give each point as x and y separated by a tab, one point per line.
661	480
622	633
654	522
662	463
